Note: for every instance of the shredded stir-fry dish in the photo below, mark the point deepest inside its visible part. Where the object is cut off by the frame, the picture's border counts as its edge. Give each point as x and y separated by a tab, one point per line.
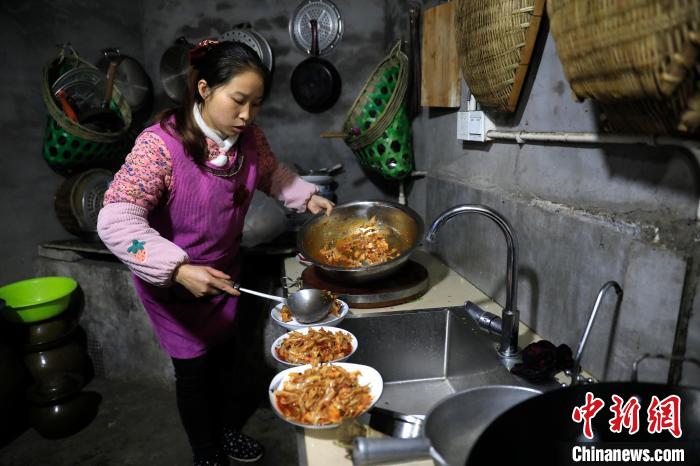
322	395
367	245
314	347
286	314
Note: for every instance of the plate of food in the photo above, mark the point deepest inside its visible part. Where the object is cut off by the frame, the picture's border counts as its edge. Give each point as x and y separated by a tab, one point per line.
314	345
321	397
283	317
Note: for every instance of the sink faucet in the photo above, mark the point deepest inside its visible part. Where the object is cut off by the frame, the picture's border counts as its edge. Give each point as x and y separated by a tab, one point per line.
511	315
576	369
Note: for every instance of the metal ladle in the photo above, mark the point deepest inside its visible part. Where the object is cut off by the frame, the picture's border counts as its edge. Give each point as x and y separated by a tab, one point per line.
307	306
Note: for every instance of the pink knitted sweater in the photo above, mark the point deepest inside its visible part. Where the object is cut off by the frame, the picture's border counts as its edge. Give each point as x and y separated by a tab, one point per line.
144	181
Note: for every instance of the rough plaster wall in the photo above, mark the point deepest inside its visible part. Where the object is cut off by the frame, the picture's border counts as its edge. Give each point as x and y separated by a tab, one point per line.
583	214
292	132
30	32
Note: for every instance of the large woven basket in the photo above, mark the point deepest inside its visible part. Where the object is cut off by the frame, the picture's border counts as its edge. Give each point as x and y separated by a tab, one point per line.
495	40
637	58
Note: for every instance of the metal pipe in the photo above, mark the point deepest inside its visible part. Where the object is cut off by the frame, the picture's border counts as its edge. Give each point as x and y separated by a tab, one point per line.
510	316
576	369
522	137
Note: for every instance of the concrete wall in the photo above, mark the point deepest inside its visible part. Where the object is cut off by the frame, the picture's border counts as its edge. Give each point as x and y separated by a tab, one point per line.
30	32
583	215
293	133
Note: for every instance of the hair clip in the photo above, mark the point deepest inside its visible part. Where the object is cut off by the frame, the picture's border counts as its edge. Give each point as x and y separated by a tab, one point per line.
200	49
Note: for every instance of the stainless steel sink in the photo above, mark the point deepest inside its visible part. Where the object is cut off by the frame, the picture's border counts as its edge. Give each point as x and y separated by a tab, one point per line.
427	354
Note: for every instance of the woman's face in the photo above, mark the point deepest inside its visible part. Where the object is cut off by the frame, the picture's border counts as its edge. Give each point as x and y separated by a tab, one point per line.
231	107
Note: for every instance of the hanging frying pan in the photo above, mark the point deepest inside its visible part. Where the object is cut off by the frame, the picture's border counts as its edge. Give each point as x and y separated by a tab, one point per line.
315	82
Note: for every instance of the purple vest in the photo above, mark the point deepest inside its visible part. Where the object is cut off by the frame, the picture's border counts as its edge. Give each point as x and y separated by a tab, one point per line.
203	215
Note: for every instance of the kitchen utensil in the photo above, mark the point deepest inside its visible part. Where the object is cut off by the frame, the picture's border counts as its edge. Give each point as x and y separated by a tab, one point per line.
174	65
66	106
315	82
330	29
131	79
368	376
541	429
439	58
47	333
307	306
330	320
495	41
245	34
413	94
103	119
36	299
84	86
278	342
451	427
402	227
78	201
395	424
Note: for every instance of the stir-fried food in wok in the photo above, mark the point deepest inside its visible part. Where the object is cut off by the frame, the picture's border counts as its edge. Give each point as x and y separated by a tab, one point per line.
322	395
314	347
286	314
367	245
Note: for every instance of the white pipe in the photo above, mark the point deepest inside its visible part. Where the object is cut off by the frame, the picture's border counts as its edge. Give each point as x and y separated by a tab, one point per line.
522	137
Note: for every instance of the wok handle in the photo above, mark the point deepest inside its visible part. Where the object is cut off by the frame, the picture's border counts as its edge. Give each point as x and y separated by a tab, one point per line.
367	451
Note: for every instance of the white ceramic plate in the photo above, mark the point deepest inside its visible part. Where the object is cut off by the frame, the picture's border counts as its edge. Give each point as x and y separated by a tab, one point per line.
368	376
304	331
330	320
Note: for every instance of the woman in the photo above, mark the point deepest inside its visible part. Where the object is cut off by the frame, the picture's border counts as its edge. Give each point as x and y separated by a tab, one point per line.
174	214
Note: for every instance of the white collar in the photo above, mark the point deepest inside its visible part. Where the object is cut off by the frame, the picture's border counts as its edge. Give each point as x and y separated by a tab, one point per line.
224	144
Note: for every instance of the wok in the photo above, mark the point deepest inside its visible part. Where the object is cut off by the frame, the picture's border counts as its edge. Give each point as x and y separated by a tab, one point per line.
451	427
541	430
402	227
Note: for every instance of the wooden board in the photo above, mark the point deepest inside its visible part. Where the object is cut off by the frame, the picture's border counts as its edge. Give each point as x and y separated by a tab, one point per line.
440	83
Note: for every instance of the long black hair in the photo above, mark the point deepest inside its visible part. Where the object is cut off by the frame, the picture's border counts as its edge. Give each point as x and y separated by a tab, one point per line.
216	63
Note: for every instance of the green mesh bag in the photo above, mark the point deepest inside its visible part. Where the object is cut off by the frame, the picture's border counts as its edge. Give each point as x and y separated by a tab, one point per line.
69	147
377	126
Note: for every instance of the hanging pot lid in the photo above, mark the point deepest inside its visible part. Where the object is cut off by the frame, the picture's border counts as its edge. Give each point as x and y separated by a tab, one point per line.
245	34
131	79
173	69
330	25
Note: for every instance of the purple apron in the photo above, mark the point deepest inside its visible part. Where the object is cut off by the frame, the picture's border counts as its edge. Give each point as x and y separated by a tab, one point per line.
203	215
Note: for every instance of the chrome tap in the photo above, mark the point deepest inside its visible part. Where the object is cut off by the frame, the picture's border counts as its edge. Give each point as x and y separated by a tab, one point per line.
576	369
511	315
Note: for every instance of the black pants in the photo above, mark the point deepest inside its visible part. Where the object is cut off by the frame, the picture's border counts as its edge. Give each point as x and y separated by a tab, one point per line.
210	395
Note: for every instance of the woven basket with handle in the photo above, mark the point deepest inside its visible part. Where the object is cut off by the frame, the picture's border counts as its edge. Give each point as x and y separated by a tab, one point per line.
638	58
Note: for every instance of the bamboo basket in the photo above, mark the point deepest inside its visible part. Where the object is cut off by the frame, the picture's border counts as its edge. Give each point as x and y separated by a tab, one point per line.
495	40
637	58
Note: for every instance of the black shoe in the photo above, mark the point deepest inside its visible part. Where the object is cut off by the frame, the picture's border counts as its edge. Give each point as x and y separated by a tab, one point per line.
217	459
240	447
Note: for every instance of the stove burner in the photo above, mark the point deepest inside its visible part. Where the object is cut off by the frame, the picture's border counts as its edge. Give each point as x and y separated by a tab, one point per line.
406	284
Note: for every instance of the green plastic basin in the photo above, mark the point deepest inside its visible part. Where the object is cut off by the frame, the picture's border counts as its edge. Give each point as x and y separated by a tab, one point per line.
36	299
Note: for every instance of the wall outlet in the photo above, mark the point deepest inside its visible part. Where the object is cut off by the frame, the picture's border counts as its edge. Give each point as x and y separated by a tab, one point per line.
472	126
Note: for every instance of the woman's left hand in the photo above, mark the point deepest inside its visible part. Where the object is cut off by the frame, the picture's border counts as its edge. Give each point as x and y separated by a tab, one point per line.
318	203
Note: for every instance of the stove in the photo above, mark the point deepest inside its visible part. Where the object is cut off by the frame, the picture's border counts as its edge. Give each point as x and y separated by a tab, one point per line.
406	284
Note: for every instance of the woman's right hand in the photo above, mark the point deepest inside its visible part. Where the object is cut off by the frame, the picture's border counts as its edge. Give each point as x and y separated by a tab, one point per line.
201	280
